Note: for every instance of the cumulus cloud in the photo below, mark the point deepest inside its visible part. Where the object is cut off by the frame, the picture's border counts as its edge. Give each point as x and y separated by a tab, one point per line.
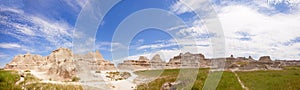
269	31
253	28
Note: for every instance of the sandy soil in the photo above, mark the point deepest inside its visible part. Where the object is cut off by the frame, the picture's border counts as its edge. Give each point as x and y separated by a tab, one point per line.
99	80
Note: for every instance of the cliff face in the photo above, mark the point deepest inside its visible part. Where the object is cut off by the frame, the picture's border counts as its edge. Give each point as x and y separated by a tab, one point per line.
61	62
187	60
157	62
60	55
26	61
265	59
141	63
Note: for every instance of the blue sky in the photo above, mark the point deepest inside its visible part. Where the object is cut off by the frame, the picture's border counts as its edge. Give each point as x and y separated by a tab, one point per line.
251	27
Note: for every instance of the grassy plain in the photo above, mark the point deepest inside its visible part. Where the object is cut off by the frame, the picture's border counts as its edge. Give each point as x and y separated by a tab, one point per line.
288	79
8	81
228	80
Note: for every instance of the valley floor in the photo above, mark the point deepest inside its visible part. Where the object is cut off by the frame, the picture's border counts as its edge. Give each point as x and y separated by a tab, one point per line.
287	79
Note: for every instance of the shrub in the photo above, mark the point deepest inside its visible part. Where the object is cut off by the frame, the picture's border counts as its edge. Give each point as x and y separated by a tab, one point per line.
27	70
75	79
98	72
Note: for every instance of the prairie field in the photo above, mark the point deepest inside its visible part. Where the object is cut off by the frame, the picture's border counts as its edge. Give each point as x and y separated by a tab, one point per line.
287	79
228	80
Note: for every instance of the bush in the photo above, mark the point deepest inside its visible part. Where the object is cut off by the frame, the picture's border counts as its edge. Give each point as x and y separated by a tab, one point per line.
27	70
98	72
75	79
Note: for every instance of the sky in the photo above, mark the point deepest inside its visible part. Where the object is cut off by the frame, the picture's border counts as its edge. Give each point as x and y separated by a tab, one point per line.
250	28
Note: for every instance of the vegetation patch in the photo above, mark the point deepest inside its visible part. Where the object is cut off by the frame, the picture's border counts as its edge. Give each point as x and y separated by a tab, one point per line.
8	80
48	86
115	76
228	80
75	79
288	79
97	71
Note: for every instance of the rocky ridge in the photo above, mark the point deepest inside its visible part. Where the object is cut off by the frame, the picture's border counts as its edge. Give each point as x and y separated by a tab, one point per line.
61	63
64	65
189	60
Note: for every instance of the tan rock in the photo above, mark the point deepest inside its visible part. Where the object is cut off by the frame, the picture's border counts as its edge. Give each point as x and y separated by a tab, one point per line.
157	62
187	60
265	59
60	63
141	63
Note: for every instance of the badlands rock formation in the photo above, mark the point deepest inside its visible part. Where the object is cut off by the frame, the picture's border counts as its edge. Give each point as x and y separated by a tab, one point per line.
26	61
157	62
142	63
62	64
265	59
187	60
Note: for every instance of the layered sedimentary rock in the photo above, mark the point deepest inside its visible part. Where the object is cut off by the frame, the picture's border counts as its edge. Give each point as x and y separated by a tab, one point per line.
141	63
187	60
95	61
61	62
265	59
26	61
157	62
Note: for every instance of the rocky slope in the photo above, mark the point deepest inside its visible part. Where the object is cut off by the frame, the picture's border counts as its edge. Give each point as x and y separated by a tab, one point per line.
186	60
61	63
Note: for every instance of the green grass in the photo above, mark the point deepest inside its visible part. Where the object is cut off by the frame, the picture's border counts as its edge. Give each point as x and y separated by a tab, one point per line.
287	79
228	80
8	80
271	80
47	86
168	75
292	68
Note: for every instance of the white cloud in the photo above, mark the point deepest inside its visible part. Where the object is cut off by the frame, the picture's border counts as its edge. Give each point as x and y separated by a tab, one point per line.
106	46
267	32
76	4
36	30
270	32
9	45
156	46
56	32
184	6
3	8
